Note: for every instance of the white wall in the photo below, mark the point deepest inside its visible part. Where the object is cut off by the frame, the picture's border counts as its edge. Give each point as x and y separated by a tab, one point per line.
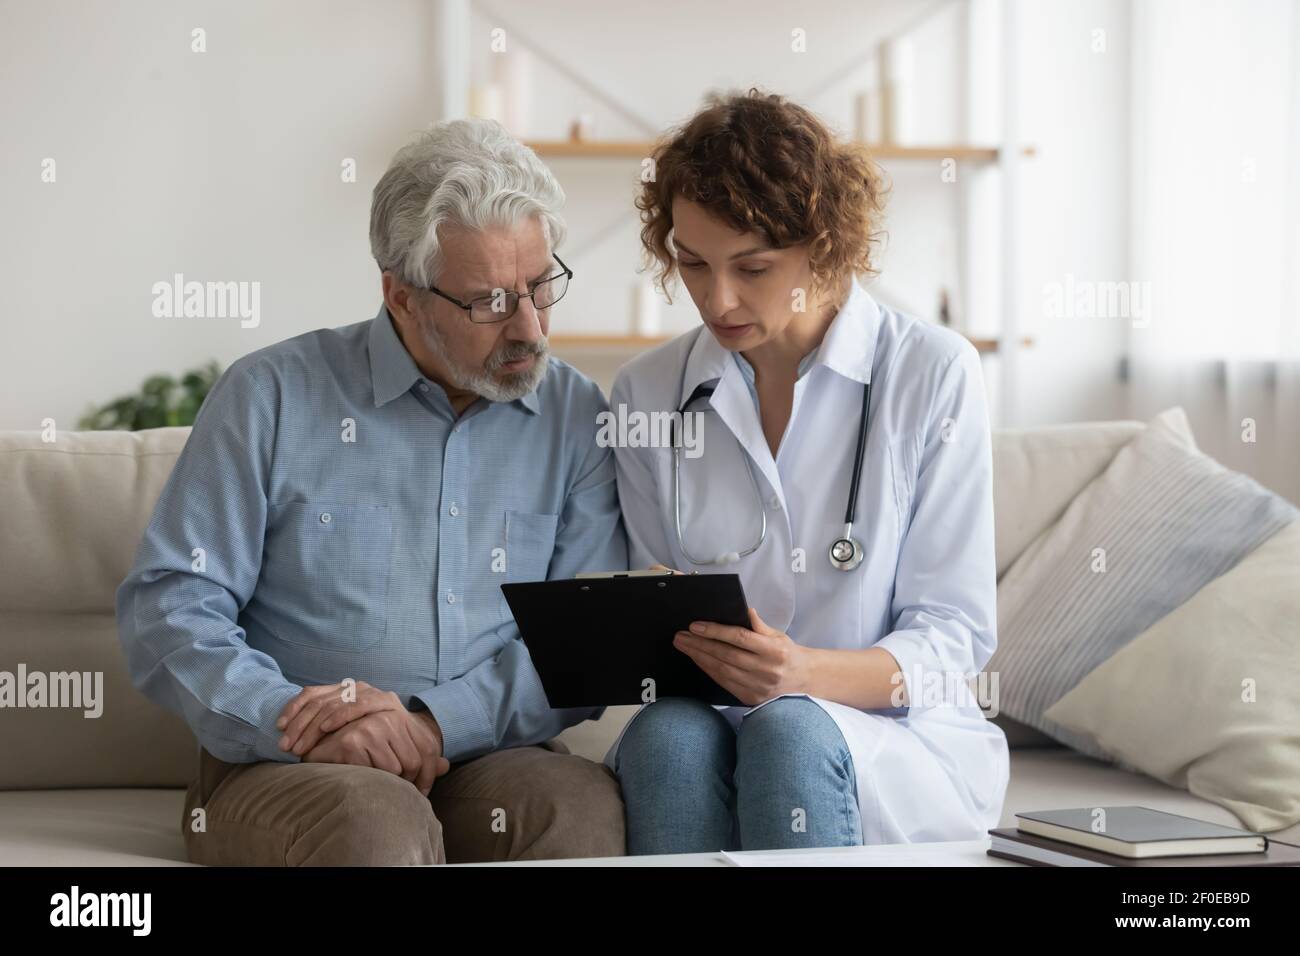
1074	110
225	165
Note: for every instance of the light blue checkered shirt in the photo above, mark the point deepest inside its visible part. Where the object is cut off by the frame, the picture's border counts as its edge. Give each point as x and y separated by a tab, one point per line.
331	517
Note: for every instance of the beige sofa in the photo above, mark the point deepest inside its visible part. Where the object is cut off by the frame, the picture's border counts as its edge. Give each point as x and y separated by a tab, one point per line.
109	790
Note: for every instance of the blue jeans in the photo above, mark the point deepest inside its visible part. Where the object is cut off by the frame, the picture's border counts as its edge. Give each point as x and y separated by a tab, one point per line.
691	784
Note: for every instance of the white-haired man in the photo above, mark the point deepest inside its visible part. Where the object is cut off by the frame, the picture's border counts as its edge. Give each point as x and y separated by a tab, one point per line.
359	495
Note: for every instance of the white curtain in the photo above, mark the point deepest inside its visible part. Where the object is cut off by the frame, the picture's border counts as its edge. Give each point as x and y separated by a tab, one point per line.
1215	230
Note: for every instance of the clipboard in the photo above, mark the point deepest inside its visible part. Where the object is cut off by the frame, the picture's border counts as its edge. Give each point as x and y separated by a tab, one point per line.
598	642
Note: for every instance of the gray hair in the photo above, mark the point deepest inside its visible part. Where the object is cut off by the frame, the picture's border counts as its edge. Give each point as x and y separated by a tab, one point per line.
469	173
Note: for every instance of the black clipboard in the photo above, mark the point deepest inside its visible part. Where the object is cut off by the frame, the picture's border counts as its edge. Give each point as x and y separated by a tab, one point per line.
596	641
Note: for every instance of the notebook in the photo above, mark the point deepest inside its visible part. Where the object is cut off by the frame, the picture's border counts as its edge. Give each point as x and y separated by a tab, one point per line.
1011	844
1139	832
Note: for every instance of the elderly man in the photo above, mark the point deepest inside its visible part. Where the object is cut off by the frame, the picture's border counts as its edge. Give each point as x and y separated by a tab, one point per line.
318	592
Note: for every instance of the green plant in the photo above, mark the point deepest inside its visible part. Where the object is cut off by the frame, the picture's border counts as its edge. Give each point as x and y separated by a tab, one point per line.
161	401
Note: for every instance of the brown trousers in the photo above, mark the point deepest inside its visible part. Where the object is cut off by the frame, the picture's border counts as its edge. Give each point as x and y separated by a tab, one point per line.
524	803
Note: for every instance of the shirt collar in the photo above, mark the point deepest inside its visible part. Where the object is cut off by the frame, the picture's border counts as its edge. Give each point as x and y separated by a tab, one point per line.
848	347
393	371
530	400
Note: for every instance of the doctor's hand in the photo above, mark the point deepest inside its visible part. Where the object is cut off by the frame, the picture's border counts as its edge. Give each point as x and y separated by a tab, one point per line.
755	663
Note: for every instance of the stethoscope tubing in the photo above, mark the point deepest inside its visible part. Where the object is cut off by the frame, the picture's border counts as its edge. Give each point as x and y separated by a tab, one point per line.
850	511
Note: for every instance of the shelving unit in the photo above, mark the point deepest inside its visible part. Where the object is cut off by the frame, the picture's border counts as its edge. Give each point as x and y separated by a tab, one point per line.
640	149
987	72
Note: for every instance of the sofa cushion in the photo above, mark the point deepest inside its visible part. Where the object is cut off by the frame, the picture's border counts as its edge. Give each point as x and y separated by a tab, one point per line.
92	828
132	743
75	511
1038	471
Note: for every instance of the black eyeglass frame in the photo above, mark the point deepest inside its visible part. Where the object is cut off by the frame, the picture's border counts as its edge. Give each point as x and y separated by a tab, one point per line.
469	307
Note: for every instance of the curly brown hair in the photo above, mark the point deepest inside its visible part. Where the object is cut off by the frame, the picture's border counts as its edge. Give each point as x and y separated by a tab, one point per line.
763	164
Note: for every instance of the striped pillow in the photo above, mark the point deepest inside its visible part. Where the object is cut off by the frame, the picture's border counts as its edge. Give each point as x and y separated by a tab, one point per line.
1161	522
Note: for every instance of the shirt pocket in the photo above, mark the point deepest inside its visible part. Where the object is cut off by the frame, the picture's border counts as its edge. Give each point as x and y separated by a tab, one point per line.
325	573
530	540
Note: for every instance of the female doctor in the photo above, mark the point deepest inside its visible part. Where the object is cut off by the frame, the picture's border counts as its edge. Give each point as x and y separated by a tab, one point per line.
842	467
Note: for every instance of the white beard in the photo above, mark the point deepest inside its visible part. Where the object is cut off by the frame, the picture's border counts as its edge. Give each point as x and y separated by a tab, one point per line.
483	381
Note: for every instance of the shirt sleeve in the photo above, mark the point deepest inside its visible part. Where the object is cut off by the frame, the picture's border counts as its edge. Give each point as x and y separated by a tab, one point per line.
945	591
638	490
500	702
195	570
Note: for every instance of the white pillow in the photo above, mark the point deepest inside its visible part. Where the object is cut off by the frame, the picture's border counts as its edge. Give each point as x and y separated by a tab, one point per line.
1208	699
1161	522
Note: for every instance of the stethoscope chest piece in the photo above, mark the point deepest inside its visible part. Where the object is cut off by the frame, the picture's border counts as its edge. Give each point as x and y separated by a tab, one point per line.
846	554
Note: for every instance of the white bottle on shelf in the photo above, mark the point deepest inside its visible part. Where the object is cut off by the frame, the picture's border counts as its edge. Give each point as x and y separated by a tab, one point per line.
896	63
645	309
866	116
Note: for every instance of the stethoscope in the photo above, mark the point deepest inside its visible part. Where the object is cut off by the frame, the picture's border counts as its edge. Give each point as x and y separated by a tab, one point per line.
845	552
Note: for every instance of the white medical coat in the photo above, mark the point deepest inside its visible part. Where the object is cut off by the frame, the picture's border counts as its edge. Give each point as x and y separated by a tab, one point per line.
926	588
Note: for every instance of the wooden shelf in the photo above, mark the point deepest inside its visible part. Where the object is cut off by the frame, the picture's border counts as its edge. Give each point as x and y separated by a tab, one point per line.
592	149
642	149
993	344
634	342
607	341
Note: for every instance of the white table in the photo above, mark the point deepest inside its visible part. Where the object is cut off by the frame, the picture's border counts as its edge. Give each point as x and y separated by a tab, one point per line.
963	853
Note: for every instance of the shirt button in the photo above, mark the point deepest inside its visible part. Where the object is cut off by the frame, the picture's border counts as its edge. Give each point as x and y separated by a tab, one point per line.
451	598
326	517
424	386
775	502
453	511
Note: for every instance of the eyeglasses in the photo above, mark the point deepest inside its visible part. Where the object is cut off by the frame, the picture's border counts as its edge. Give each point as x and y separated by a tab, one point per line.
503	304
